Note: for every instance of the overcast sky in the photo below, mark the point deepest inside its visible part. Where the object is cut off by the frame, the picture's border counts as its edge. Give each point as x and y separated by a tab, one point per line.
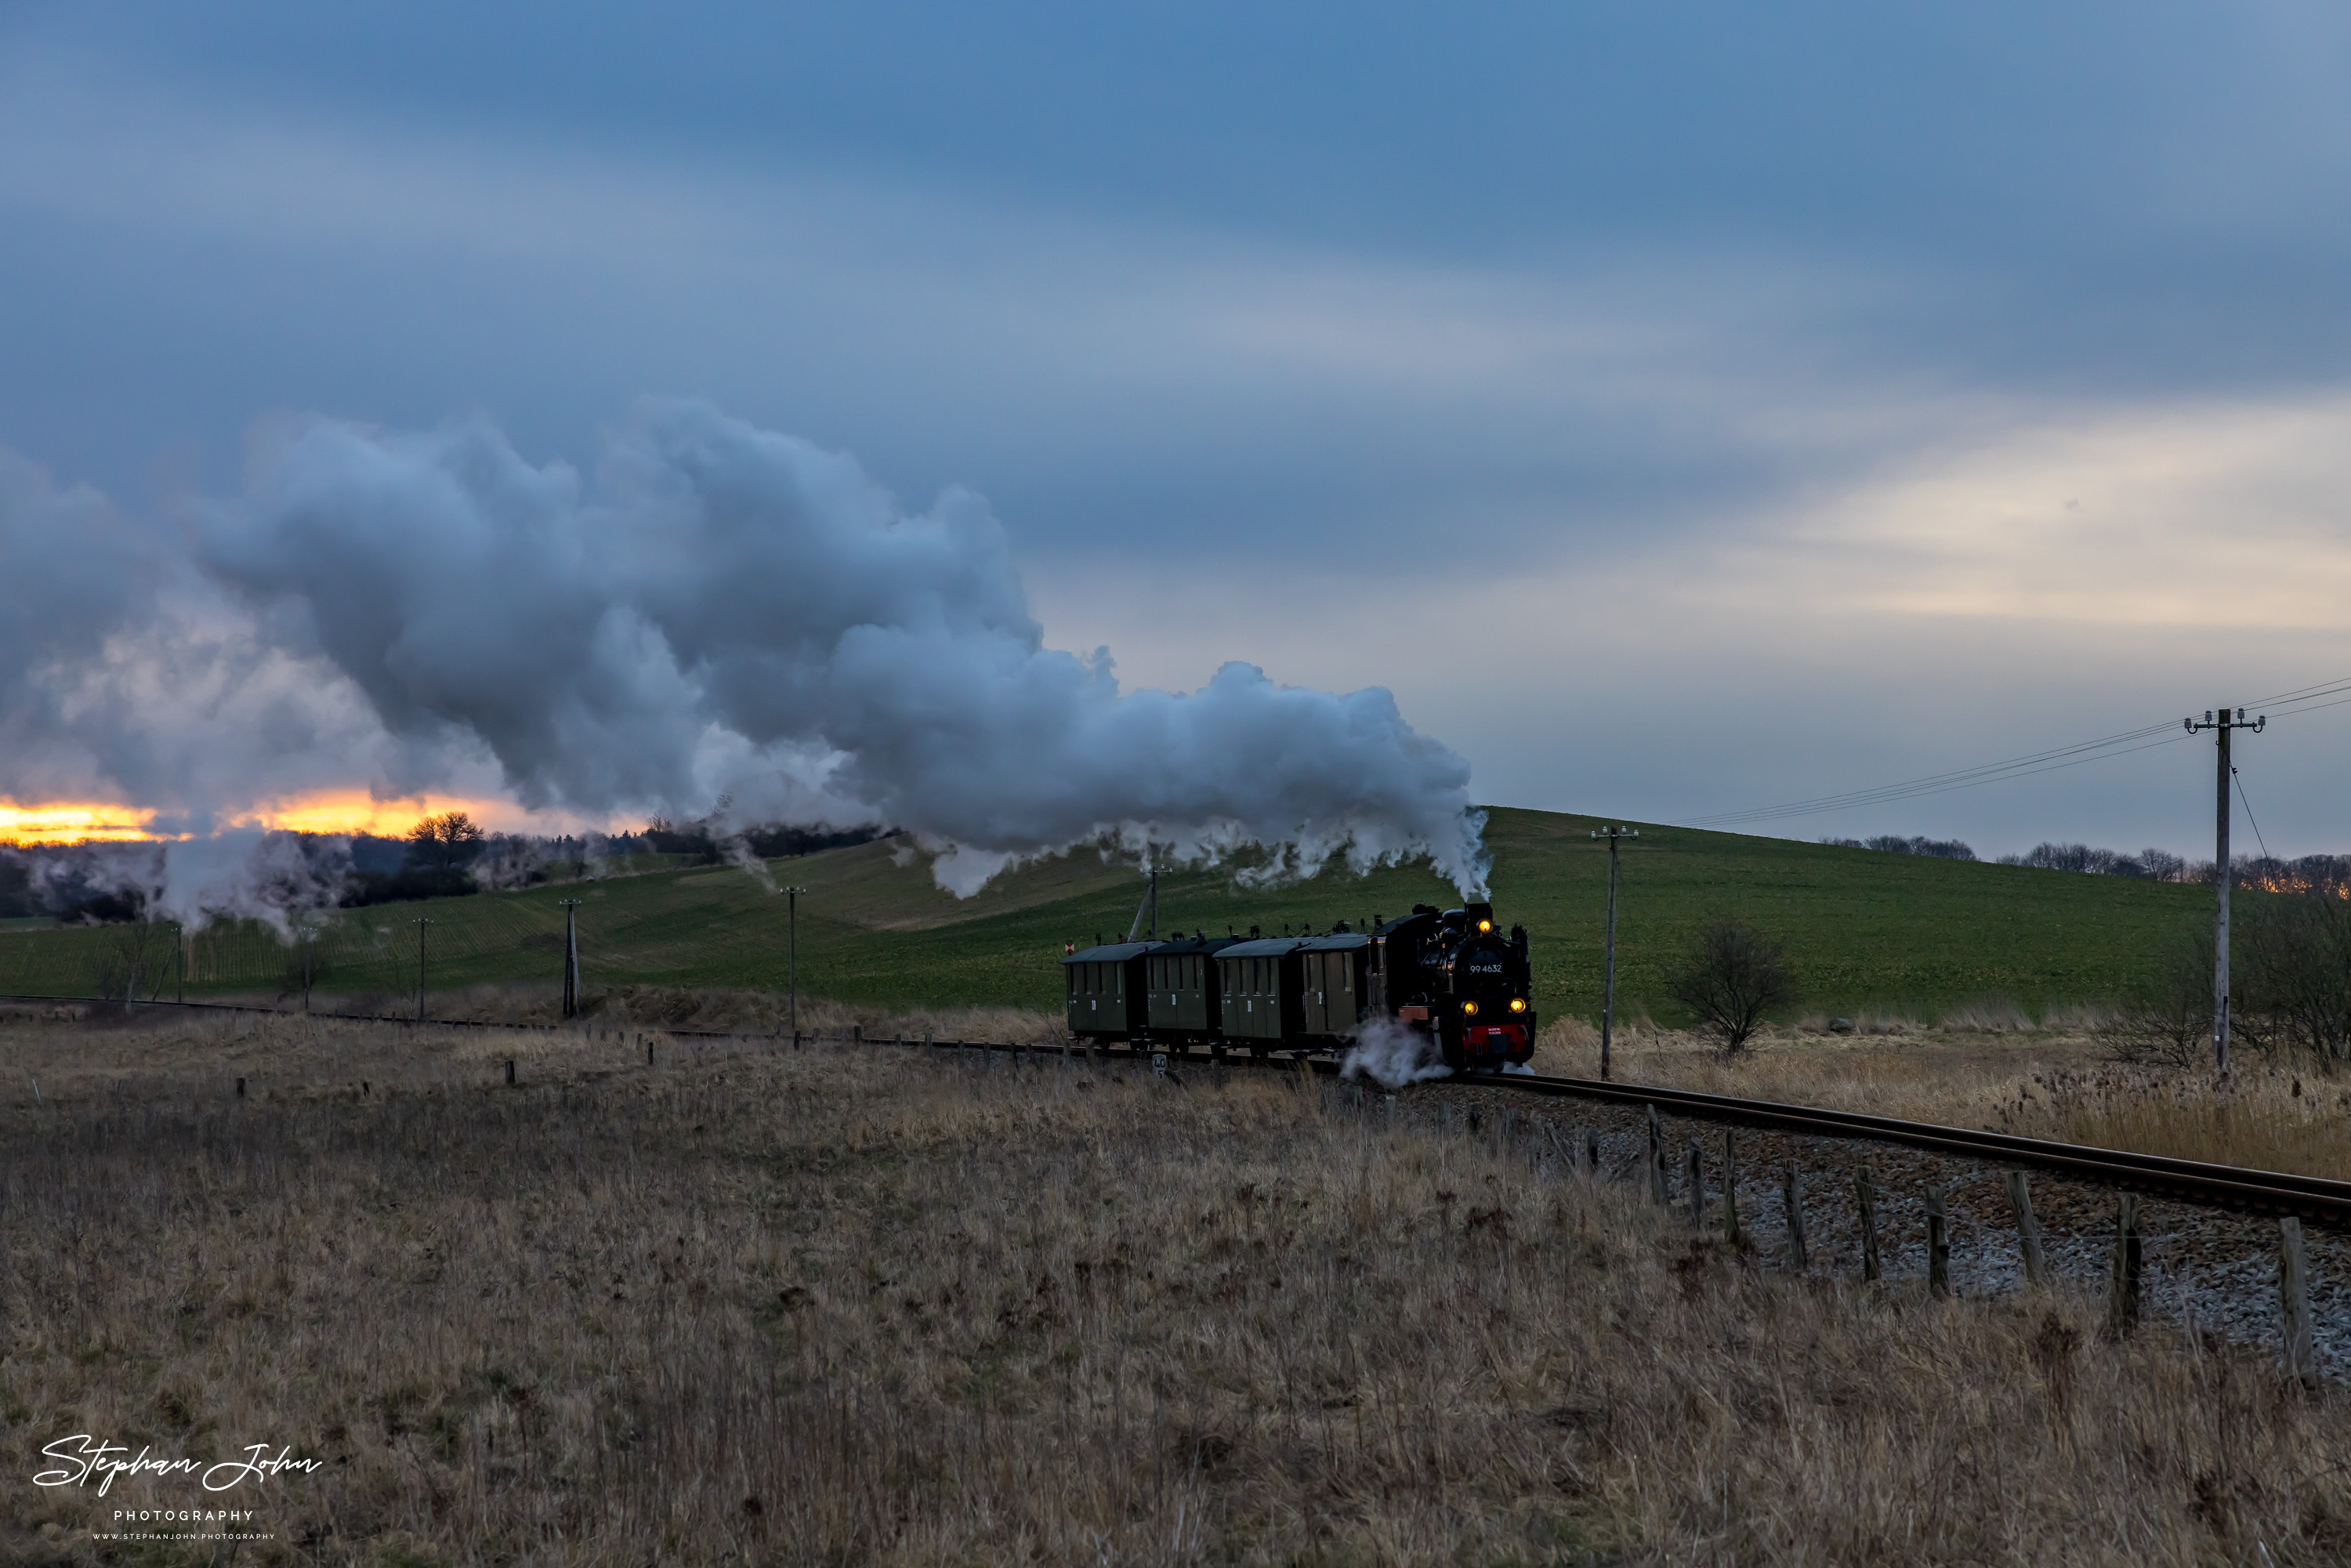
1681	408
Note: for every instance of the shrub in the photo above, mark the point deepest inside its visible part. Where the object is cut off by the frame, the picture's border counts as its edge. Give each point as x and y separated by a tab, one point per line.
1730	977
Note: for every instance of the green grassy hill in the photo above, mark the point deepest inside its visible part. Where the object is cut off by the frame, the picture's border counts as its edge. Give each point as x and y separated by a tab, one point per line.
1867	930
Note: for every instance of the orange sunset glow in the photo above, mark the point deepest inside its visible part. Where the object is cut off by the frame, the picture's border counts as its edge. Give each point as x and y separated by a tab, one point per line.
325	811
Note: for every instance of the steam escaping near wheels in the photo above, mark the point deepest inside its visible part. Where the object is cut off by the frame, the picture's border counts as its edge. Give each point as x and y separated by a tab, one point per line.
1393	1055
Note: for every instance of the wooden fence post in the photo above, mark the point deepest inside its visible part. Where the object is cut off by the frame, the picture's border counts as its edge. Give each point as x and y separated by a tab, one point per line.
1731	1186
1697	1170
1591	1152
1867	1196
1791	1204
1939	1243
509	1072
2121	1293
1656	1159
2028	1230
2293	1303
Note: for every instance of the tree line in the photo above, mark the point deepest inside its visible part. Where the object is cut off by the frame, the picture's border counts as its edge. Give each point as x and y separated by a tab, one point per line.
445	855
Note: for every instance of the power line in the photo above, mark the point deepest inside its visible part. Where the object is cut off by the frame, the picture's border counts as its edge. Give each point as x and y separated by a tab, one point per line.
2303	699
2325	688
1959	779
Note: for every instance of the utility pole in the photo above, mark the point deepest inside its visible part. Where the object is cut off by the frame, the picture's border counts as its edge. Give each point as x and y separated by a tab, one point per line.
2220	726
420	925
179	957
1608	967
792	952
309	931
571	956
1148	908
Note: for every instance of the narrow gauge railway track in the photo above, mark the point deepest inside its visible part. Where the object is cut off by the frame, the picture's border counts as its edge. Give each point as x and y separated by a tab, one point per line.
2313	1198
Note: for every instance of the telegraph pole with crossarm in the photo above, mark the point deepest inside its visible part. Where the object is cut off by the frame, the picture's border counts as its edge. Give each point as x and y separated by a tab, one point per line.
2221	725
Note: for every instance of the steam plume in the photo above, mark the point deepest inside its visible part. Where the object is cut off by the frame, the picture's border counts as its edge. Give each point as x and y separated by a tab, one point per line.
1393	1055
721	586
721	609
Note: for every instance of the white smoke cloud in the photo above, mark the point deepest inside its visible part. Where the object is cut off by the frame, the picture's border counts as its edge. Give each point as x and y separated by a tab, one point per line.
1393	1054
250	875
718	613
242	874
721	592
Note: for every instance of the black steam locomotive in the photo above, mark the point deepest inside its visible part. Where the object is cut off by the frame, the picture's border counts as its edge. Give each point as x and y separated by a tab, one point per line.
1447	974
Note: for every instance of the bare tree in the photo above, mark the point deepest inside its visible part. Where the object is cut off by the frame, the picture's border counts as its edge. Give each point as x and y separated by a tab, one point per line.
2167	1021
1730	977
444	842
135	959
2289	983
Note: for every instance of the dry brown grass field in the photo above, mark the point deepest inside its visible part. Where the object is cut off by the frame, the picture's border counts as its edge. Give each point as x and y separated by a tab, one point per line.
872	1306
2062	1082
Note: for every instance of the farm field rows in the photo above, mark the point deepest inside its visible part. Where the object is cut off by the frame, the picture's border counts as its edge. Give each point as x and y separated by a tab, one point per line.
1867	931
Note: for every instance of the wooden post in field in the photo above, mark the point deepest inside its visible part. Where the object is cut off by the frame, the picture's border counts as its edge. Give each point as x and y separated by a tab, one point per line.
2294	1304
1791	1202
1731	1186
509	1072
240	1088
1939	1243
649	1054
1656	1159
857	1034
1697	1167
1591	1152
1865	1196
2122	1292
2028	1230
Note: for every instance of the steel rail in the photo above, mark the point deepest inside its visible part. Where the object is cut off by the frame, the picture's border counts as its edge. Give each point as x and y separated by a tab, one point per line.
2313	1199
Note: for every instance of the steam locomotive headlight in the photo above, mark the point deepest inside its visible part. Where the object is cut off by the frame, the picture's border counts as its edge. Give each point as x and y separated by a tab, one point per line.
1469	1008
1518	1004
1484	925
